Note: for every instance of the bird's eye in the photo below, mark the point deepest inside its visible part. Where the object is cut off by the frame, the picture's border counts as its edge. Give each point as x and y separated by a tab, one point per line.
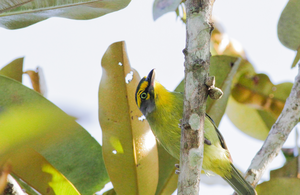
144	95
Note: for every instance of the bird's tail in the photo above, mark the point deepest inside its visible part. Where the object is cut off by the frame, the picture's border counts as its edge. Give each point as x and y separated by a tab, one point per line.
238	183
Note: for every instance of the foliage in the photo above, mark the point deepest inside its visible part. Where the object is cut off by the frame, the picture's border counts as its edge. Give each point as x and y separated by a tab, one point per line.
49	152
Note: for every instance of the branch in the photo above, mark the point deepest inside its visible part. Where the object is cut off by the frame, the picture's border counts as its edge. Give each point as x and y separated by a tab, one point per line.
278	134
197	60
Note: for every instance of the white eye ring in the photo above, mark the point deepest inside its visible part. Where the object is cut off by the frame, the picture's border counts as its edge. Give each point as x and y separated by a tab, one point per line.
144	95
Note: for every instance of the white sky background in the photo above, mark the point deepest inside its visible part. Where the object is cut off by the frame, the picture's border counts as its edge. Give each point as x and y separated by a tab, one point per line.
70	52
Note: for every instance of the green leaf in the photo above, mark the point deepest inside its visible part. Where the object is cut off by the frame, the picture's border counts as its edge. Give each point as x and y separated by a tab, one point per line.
39	173
129	147
14	69
39	10
297	58
167	182
255	97
282	181
280	186
224	69
161	7
290	170
249	120
110	192
7	4
289	153
25	187
28	120
288	28
259	92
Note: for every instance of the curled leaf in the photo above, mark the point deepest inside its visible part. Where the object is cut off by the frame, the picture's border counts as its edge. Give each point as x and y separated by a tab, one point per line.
37	80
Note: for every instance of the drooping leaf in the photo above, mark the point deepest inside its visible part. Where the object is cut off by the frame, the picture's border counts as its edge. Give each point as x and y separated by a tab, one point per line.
129	147
14	69
249	120
259	92
288	27
30	120
256	104
224	69
39	10
161	7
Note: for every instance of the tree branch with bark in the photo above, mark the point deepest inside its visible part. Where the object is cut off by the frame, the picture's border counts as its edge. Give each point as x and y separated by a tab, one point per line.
278	134
197	61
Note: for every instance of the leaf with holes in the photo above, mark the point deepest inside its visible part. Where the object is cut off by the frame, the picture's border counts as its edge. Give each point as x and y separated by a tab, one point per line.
36	11
129	147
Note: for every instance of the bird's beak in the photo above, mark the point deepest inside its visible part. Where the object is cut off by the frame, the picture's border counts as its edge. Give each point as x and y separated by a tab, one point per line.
151	78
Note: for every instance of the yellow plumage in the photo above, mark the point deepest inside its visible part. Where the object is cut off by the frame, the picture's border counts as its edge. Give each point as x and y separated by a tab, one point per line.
163	110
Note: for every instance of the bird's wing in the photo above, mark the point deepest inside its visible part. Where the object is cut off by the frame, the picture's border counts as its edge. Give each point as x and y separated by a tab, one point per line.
222	141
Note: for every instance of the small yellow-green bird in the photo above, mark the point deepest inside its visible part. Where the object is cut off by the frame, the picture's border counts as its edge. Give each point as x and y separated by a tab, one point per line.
163	110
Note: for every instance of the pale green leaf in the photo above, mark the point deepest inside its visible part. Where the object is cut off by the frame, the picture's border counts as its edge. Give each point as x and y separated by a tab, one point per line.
288	27
6	5
39	10
161	7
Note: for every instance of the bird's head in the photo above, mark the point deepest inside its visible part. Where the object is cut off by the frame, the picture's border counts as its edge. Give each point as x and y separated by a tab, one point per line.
144	95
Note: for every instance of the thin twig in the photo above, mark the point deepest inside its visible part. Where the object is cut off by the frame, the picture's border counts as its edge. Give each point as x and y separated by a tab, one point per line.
278	134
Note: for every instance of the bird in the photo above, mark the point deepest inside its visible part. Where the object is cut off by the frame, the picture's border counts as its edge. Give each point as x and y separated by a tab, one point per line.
163	110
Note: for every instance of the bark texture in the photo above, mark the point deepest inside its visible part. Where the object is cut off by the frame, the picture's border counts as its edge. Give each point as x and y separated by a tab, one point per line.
197	61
